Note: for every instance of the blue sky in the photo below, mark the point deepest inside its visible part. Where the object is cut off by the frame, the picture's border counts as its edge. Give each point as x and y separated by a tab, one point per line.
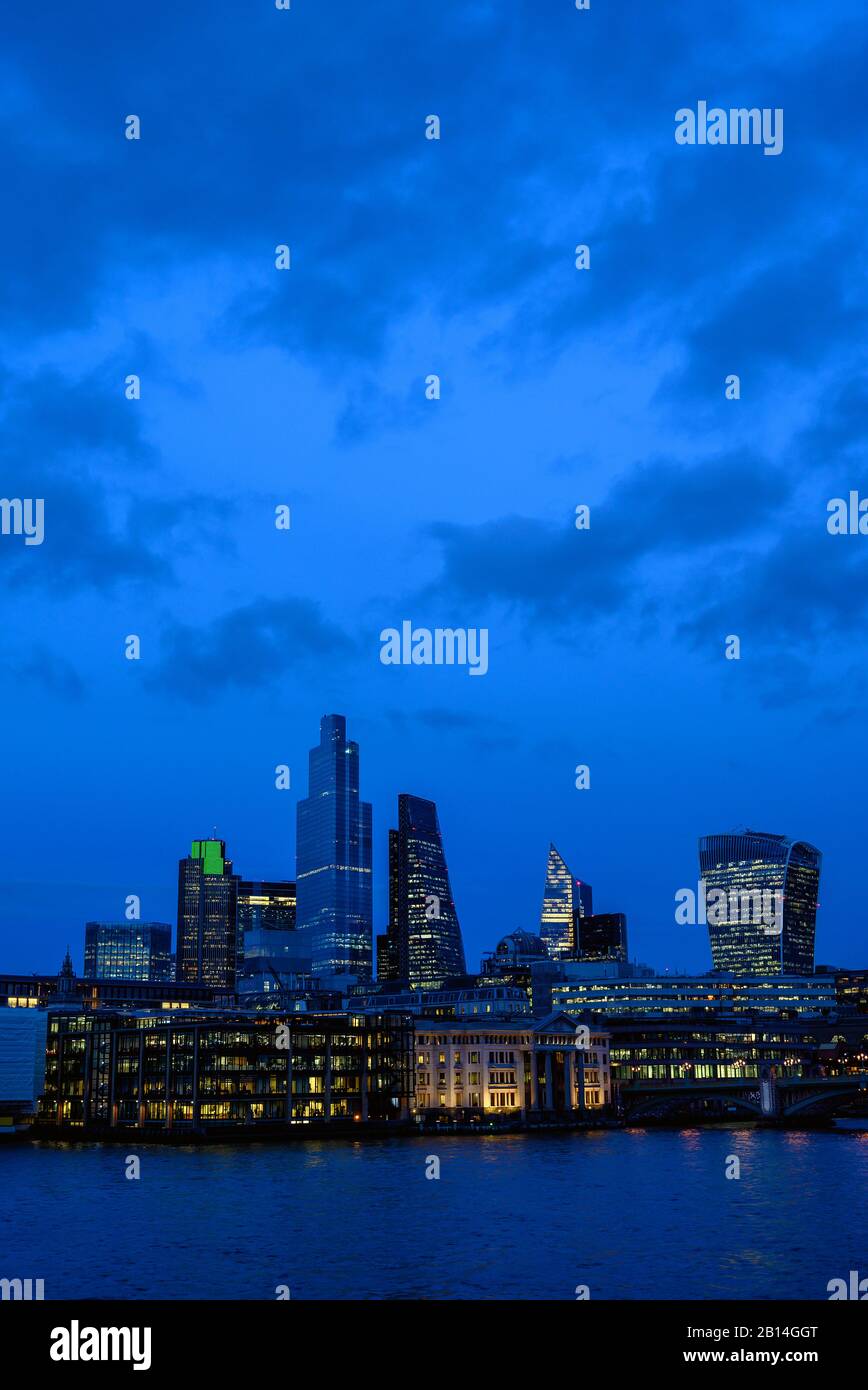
559	387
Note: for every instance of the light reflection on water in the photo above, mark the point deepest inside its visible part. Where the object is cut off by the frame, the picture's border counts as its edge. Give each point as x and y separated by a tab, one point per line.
633	1214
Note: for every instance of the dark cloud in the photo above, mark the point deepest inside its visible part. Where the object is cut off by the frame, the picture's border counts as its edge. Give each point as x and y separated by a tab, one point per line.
80	446
558	144
660	509
46	668
259	644
807	587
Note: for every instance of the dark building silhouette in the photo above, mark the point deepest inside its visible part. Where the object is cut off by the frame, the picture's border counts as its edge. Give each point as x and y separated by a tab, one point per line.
423	945
600	936
207	916
761	895
333	877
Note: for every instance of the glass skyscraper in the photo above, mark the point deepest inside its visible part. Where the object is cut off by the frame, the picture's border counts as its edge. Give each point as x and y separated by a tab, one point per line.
333	875
761	896
600	936
207	912
264	906
423	945
128	951
564	898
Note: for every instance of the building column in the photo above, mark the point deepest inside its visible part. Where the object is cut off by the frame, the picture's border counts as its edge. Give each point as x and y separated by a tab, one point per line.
550	1093
363	1081
570	1080
141	1084
113	1064
288	1115
534	1080
170	1100
196	1111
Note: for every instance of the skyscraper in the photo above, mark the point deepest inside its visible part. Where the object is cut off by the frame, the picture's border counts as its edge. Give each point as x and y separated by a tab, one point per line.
564	897
266	905
600	936
333	878
128	951
423	945
207	909
761	895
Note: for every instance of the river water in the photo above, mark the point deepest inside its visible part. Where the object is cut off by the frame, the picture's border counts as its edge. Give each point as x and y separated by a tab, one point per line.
630	1214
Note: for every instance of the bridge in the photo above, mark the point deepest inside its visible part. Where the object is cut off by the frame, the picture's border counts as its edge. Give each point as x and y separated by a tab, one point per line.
766	1098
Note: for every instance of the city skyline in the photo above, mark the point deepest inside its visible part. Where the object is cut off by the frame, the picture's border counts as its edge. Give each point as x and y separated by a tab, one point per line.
335	754
307	389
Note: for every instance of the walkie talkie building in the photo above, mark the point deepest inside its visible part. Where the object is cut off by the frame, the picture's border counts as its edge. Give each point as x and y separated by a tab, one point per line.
761	894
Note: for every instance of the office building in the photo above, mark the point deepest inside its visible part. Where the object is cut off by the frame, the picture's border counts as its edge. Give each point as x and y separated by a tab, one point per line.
424	942
22	1066
564	899
600	936
608	996
709	1050
521	960
263	907
269	906
452	1000
761	893
201	1072
207	916
523	1069
128	951
333	877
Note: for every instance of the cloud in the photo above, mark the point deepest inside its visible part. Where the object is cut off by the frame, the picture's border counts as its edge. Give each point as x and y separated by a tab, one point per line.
250	647
46	668
79	445
662	510
807	587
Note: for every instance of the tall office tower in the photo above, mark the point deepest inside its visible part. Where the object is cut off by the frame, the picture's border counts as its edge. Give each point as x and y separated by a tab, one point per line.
334	857
600	936
761	895
388	950
564	898
207	913
266	905
128	951
263	906
424	932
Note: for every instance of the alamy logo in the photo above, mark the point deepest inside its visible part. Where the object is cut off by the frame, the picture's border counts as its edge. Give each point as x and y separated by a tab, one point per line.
23	516
762	907
29	1290
76	1343
847	516
440	646
857	1289
740	125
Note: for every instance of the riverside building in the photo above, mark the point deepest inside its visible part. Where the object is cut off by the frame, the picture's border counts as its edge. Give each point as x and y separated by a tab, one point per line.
205	1071
530	1070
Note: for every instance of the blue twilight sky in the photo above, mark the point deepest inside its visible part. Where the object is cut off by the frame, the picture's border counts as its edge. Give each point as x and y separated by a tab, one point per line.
307	387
